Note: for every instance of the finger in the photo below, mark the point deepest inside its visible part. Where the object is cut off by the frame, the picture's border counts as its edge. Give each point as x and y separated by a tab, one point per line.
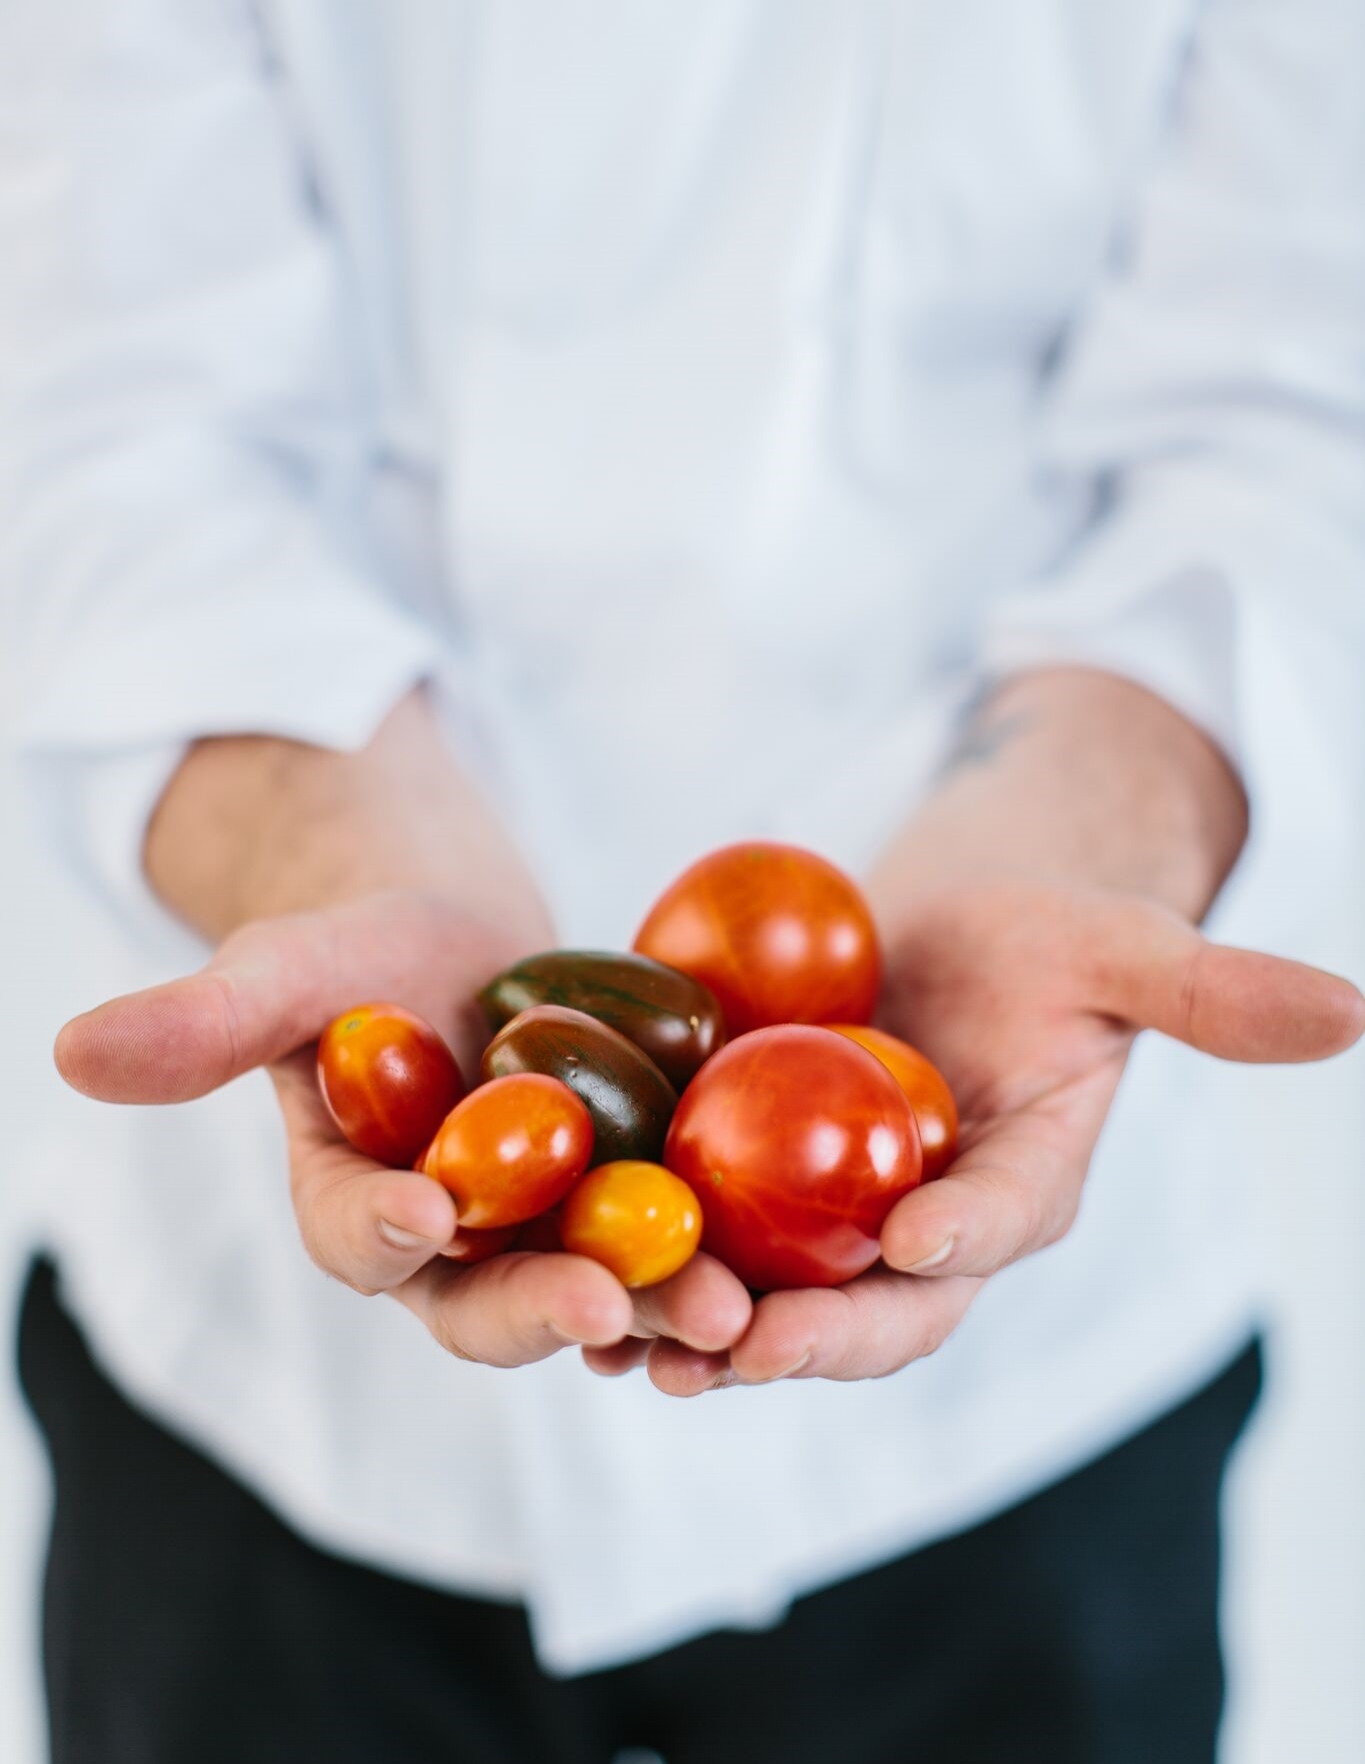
617	1360
867	1329
519	1307
703	1305
1237	1004
687	1372
271	988
363	1224
1015	1190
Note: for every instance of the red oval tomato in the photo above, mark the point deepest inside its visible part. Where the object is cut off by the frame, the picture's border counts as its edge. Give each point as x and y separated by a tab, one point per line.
925	1087
388	1080
511	1149
541	1233
778	934
798	1144
636	1218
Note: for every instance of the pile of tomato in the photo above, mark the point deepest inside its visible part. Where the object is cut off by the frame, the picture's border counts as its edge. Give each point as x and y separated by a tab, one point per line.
719	1085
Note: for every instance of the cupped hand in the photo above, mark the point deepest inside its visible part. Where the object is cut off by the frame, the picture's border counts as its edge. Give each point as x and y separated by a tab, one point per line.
1028	996
262	1001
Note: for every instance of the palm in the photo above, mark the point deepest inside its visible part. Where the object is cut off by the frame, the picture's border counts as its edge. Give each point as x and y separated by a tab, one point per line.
1028	997
262	1001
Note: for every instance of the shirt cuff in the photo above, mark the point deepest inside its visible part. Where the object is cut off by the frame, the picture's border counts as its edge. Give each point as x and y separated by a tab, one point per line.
95	796
1177	638
1158	593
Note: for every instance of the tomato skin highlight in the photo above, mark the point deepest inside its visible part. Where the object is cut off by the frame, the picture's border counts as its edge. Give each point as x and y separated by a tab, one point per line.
388	1081
925	1088
798	1144
511	1150
666	1013
636	1218
628	1097
778	934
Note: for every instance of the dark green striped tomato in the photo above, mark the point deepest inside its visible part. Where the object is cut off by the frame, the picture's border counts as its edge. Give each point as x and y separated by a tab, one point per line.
669	1015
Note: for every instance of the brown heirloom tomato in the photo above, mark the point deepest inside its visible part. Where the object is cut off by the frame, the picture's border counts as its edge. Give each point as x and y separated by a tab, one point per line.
925	1087
388	1081
637	1219
777	933
798	1144
667	1014
511	1149
628	1097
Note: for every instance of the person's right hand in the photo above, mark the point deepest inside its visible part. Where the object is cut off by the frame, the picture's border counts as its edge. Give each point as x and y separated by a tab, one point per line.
263	1000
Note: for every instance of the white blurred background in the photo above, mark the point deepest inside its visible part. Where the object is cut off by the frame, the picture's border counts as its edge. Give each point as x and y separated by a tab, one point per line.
1295	1585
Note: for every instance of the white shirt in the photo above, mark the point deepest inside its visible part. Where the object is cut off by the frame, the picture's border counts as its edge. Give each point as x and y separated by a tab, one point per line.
706	398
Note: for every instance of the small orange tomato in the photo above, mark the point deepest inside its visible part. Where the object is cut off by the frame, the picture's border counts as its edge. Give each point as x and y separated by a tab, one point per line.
924	1085
468	1247
637	1219
511	1149
388	1080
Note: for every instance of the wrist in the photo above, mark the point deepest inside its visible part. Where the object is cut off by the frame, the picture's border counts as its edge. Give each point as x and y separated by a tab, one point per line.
251	827
1077	778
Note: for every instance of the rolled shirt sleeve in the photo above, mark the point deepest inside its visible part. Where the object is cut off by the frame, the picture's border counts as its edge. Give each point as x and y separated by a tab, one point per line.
181	419
1209	409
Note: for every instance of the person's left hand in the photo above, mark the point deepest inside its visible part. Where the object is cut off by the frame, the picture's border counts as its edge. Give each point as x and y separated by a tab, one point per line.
1028	996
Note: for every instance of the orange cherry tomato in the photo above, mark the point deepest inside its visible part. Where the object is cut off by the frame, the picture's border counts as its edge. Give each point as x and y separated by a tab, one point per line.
924	1085
469	1247
778	934
388	1080
638	1219
511	1149
799	1144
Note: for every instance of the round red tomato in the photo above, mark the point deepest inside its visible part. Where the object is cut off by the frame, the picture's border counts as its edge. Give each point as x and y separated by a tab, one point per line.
778	934
388	1080
925	1087
636	1218
511	1149
798	1144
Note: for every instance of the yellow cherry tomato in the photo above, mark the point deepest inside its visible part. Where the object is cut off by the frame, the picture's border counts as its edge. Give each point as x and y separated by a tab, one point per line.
638	1219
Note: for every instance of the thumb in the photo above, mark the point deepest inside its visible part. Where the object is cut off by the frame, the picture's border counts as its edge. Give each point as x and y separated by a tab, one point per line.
1236	1004
272	986
267	991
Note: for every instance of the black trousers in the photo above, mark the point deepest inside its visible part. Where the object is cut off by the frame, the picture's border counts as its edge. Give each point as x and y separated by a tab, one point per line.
184	1624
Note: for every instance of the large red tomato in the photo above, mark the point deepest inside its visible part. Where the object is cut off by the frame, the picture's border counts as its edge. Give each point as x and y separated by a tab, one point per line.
778	934
798	1143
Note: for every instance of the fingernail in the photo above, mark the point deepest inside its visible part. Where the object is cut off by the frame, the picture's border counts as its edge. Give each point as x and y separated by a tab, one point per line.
724	1382
939	1257
397	1238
